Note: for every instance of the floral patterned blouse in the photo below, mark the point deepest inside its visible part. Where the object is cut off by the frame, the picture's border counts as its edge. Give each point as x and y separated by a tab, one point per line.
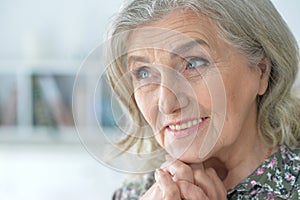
277	178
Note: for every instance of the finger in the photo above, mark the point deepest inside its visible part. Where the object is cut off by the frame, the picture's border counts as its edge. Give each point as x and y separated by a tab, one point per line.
219	186
168	187
178	170
205	183
196	166
153	193
190	191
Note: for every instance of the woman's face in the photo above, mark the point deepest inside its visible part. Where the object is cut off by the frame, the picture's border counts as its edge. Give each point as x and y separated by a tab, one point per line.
197	92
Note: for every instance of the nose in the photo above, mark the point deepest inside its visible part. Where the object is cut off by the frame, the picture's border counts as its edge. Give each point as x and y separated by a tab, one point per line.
172	97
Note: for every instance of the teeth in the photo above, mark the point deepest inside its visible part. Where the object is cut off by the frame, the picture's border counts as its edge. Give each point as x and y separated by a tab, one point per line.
196	122
172	127
185	125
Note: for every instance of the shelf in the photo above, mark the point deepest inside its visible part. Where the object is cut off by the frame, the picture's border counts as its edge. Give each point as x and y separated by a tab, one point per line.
70	135
18	102
36	102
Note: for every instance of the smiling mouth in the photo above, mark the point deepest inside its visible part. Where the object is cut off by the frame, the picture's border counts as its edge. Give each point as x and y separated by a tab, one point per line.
185	125
185	128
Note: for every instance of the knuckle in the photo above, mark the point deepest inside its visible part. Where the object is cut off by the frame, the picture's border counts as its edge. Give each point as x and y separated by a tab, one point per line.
170	194
180	167
190	190
183	171
199	175
197	172
186	169
209	170
184	186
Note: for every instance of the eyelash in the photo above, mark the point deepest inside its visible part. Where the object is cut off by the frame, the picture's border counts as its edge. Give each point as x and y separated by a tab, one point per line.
139	76
197	59
138	72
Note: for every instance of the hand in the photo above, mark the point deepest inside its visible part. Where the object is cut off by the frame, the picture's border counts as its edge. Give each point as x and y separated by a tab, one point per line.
166	189
204	178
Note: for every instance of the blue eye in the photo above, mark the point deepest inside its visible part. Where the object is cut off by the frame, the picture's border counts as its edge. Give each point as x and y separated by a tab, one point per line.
142	73
196	62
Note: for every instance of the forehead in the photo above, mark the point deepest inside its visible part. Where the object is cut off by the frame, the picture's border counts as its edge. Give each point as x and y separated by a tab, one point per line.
172	30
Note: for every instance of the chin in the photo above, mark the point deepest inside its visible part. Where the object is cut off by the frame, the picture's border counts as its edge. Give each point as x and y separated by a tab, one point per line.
187	157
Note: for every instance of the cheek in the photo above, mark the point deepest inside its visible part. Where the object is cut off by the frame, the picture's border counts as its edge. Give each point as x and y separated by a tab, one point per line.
145	103
240	106
241	97
204	99
201	94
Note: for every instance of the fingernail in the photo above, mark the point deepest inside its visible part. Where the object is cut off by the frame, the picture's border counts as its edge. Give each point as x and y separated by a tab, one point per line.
172	173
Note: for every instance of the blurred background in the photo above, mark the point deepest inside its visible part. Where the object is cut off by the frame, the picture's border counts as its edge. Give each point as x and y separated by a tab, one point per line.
42	45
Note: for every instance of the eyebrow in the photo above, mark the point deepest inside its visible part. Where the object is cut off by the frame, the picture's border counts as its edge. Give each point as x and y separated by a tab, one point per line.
175	52
134	58
187	46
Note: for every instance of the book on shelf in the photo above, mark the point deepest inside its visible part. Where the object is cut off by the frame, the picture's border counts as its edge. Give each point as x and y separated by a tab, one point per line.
108	109
8	100
49	102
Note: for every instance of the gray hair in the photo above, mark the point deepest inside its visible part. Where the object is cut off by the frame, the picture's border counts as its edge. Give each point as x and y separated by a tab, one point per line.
254	27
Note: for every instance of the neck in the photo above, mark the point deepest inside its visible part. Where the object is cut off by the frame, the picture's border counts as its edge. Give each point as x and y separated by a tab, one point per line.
238	160
238	164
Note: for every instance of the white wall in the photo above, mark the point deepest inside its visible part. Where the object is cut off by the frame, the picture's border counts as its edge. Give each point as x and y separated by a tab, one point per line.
69	29
52	29
289	9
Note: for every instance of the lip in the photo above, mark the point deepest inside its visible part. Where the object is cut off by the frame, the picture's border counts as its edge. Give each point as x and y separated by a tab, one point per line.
178	134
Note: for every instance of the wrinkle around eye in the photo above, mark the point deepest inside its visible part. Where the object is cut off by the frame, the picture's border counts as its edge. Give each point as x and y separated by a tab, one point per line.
145	77
142	73
195	66
200	62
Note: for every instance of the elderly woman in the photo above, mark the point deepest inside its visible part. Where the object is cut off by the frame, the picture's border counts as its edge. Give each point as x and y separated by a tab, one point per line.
213	79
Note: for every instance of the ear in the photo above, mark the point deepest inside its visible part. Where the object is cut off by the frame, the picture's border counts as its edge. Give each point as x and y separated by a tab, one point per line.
264	66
